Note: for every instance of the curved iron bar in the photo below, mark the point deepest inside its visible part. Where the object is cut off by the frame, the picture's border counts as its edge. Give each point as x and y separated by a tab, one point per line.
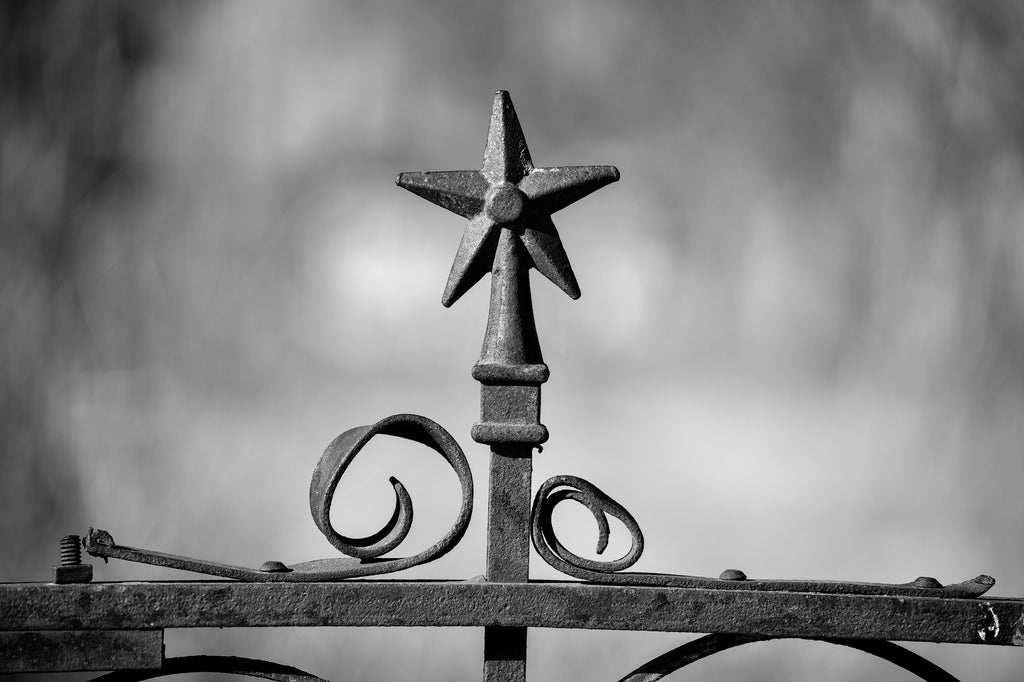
363	554
708	645
560	488
232	665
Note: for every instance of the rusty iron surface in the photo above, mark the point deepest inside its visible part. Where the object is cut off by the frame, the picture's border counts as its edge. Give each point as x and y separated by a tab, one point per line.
231	665
510	199
154	605
71	569
63	650
509	203
508	514
508	553
703	647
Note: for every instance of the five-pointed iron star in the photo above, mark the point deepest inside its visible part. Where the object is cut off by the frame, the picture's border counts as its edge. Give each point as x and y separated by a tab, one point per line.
508	192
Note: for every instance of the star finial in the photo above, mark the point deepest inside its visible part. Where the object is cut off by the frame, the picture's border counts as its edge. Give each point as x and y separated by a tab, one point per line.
508	193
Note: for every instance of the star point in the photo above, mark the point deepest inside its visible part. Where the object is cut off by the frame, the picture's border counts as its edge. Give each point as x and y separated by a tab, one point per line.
506	157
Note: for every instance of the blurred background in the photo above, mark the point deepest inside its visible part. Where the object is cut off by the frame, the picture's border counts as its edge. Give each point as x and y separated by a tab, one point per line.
798	350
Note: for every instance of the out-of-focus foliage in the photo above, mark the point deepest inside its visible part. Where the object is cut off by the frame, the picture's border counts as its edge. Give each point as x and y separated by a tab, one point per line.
67	75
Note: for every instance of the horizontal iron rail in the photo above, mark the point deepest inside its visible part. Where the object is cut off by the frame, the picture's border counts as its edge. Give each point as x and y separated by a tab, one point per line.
39	651
152	605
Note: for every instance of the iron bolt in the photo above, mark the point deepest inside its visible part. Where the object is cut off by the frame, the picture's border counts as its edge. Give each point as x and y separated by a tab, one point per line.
70	550
71	568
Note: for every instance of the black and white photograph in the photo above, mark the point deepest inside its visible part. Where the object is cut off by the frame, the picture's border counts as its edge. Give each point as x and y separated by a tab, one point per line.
283	285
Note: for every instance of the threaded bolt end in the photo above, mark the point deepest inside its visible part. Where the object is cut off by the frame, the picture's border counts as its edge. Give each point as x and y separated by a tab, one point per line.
70	550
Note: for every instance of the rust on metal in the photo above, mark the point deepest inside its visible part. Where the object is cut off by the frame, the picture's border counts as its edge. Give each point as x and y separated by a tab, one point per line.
71	569
66	650
474	603
509	203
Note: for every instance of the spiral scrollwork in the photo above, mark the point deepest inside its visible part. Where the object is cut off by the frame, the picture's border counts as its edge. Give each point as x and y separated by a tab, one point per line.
332	465
364	556
560	488
709	645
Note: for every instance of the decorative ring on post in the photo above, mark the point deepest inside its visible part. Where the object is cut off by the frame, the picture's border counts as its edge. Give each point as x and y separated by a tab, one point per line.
560	488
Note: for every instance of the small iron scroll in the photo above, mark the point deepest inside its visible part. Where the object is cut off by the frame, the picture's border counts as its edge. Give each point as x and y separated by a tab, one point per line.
363	554
561	488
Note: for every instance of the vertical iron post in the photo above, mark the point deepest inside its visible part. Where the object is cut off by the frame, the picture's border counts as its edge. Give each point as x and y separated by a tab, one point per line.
510	372
509	204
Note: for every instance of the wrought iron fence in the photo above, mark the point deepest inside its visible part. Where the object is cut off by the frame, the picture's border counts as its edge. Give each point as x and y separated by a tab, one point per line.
72	623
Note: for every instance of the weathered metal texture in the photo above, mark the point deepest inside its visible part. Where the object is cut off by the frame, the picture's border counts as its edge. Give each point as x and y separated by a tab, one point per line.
561	488
508	195
71	569
42	606
508	508
231	665
335	461
65	650
509	203
703	647
509	414
363	553
508	553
